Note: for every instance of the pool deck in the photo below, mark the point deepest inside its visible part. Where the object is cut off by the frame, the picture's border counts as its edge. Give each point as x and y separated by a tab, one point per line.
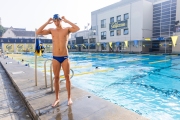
38	99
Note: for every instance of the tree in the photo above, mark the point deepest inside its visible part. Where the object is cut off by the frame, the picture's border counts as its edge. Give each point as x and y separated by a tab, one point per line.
2	30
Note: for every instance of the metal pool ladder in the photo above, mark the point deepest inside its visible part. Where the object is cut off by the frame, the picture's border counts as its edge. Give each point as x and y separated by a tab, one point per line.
51	78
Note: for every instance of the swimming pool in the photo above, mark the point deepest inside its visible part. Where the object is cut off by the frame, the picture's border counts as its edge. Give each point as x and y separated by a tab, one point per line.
146	84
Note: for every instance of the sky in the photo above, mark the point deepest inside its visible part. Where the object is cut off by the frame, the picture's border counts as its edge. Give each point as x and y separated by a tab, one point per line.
31	14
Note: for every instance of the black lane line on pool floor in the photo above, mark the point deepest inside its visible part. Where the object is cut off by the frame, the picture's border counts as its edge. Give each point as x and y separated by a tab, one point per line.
173	92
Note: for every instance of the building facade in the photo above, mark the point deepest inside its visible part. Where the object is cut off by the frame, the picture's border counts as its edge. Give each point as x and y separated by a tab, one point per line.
16	45
20	33
176	49
164	17
132	26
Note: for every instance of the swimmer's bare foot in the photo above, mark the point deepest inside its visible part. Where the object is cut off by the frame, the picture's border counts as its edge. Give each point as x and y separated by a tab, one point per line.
55	103
69	101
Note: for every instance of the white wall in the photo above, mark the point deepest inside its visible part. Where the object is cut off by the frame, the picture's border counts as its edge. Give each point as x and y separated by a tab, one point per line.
136	20
147	19
138	11
178	11
176	49
107	15
8	34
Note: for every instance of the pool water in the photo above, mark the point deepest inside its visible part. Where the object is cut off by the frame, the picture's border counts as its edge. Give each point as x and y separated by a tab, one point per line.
146	84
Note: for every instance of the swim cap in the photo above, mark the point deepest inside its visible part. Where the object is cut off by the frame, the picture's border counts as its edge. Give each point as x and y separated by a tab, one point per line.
56	16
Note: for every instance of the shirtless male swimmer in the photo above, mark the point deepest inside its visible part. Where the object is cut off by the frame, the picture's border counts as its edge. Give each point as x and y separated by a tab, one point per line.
60	36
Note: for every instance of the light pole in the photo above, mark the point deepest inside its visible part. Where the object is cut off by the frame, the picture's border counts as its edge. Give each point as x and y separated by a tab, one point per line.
86	28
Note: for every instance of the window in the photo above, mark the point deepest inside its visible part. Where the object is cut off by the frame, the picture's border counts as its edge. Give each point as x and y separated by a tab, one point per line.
126	16
156	31
86	41
165	23
173	15
69	42
165	30
166	3
165	20
174	1
103	23
157	5
73	41
157	9
156	28
166	13
171	32
173	18
126	31
164	17
173	11
165	27
165	9
111	19
173	4
103	46
156	25
111	33
156	34
92	40
103	35
92	47
156	13
173	8
172	22
166	6
165	34
157	18
118	18
118	32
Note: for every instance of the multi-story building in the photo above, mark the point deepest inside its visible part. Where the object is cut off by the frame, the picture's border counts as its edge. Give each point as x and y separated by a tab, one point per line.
20	33
164	17
176	48
133	26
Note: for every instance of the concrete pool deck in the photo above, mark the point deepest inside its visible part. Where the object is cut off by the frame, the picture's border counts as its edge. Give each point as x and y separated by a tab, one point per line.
38	99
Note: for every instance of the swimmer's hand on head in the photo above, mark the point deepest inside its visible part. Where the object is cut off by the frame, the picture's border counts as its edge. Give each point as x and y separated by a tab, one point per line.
64	19
42	31
49	21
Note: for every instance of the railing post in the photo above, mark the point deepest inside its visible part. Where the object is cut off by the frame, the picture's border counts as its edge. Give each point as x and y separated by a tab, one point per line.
35	61
45	72
51	77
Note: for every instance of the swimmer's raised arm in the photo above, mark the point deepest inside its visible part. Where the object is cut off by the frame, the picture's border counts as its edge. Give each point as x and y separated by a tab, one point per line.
41	30
74	27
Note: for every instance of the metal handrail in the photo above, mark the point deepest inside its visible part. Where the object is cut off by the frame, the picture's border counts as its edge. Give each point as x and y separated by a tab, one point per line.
3	55
60	80
51	78
45	71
